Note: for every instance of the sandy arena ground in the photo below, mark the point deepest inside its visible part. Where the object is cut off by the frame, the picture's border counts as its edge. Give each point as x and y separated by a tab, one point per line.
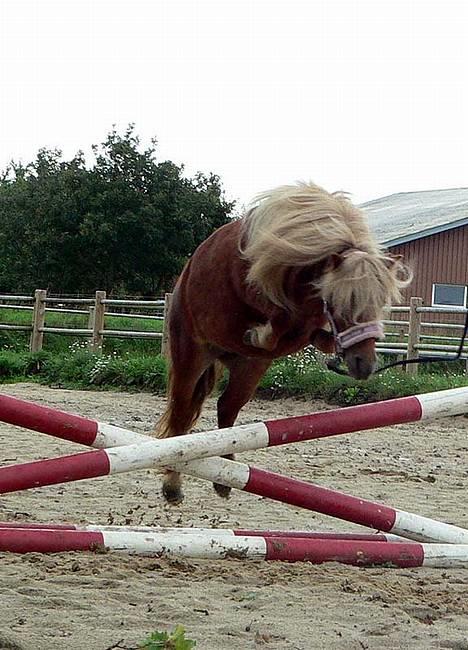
98	602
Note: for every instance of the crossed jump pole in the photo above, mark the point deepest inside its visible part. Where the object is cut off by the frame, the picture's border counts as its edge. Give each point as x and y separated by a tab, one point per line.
145	452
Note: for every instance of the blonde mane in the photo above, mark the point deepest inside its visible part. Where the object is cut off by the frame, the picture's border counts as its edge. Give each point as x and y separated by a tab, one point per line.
303	225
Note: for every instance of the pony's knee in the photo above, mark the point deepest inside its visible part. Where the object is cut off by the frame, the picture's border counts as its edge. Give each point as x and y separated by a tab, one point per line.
261	336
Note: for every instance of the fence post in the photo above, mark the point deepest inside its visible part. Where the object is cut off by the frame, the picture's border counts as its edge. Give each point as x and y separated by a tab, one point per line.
98	322
414	333
165	333
91	317
38	321
90	326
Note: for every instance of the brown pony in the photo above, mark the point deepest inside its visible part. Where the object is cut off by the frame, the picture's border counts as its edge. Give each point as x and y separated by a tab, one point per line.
267	286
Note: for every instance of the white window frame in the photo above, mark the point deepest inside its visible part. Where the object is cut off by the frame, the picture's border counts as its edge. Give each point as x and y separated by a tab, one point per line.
448	284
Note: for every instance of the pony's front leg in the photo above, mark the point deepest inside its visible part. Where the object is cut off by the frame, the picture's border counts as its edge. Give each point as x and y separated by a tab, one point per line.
261	336
244	375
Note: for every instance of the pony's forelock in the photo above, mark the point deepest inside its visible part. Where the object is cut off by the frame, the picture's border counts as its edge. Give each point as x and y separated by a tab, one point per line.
362	284
301	225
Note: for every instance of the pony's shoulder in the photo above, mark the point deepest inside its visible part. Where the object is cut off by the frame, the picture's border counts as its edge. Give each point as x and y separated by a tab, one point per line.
226	235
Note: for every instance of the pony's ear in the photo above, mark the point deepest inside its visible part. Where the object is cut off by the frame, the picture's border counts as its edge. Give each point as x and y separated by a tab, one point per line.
333	261
392	260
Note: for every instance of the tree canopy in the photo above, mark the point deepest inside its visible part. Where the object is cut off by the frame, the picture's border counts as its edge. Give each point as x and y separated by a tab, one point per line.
126	224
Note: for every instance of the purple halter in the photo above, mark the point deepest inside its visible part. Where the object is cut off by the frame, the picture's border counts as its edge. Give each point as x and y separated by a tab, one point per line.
355	333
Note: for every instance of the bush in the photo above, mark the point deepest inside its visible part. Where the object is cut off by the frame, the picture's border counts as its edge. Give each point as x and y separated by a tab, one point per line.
80	368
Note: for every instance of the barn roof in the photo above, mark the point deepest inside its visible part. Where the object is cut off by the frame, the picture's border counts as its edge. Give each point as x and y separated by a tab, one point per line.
400	218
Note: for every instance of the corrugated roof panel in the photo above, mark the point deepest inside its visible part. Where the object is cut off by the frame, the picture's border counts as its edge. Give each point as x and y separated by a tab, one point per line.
403	217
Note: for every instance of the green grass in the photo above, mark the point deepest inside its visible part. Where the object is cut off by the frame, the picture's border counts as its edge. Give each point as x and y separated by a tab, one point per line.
297	376
301	375
174	640
82	369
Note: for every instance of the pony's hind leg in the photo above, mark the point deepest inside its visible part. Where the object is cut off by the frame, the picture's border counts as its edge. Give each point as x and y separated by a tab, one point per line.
192	377
244	375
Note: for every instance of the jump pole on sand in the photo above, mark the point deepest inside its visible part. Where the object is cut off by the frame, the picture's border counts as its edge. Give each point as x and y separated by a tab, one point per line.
174	451
196	546
207	532
280	488
273	432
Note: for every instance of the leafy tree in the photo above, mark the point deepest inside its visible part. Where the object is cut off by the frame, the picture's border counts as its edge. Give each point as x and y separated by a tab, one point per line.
126	224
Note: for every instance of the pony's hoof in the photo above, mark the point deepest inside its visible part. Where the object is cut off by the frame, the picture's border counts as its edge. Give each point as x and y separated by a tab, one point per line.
173	495
222	490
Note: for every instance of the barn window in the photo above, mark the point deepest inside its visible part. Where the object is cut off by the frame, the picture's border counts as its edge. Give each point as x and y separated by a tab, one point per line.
448	295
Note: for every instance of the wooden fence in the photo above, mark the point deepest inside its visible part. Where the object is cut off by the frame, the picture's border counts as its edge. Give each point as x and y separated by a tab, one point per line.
407	334
95	308
416	337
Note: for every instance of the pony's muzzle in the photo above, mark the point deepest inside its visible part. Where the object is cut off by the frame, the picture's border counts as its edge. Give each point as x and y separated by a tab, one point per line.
360	366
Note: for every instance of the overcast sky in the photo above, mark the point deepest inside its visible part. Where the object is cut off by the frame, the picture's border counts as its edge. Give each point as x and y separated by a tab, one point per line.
368	96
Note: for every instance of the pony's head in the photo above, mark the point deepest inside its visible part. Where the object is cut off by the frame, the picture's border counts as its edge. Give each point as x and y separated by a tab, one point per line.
355	286
304	226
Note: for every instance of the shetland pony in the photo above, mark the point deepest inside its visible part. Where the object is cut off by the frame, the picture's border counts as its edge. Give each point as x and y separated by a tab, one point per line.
301	268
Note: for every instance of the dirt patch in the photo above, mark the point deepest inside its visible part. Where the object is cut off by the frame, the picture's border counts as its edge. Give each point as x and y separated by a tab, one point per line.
95	601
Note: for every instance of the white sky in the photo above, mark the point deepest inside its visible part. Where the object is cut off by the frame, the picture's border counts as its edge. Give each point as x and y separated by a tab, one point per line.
368	96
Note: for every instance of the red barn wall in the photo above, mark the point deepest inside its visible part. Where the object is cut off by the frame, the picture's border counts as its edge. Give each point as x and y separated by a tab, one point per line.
440	258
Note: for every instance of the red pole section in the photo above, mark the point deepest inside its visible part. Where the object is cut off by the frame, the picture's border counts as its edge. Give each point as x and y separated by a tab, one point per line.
47	420
345	552
344	420
35	540
327	502
89	464
64	425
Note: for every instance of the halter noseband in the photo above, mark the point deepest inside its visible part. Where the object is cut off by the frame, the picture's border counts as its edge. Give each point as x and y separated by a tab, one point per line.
354	334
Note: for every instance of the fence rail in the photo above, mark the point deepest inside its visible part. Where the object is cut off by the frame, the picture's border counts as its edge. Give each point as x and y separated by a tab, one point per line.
416	342
95	309
407	338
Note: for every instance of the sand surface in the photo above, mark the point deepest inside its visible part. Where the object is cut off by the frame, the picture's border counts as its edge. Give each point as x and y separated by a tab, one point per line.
81	601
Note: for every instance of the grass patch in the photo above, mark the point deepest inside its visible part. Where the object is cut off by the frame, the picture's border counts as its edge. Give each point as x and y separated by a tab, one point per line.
297	376
303	375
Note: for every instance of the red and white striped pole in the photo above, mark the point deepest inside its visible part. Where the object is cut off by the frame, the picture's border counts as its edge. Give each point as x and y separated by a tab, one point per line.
324	500
66	426
277	432
158	453
329	502
196	546
208	532
268	484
